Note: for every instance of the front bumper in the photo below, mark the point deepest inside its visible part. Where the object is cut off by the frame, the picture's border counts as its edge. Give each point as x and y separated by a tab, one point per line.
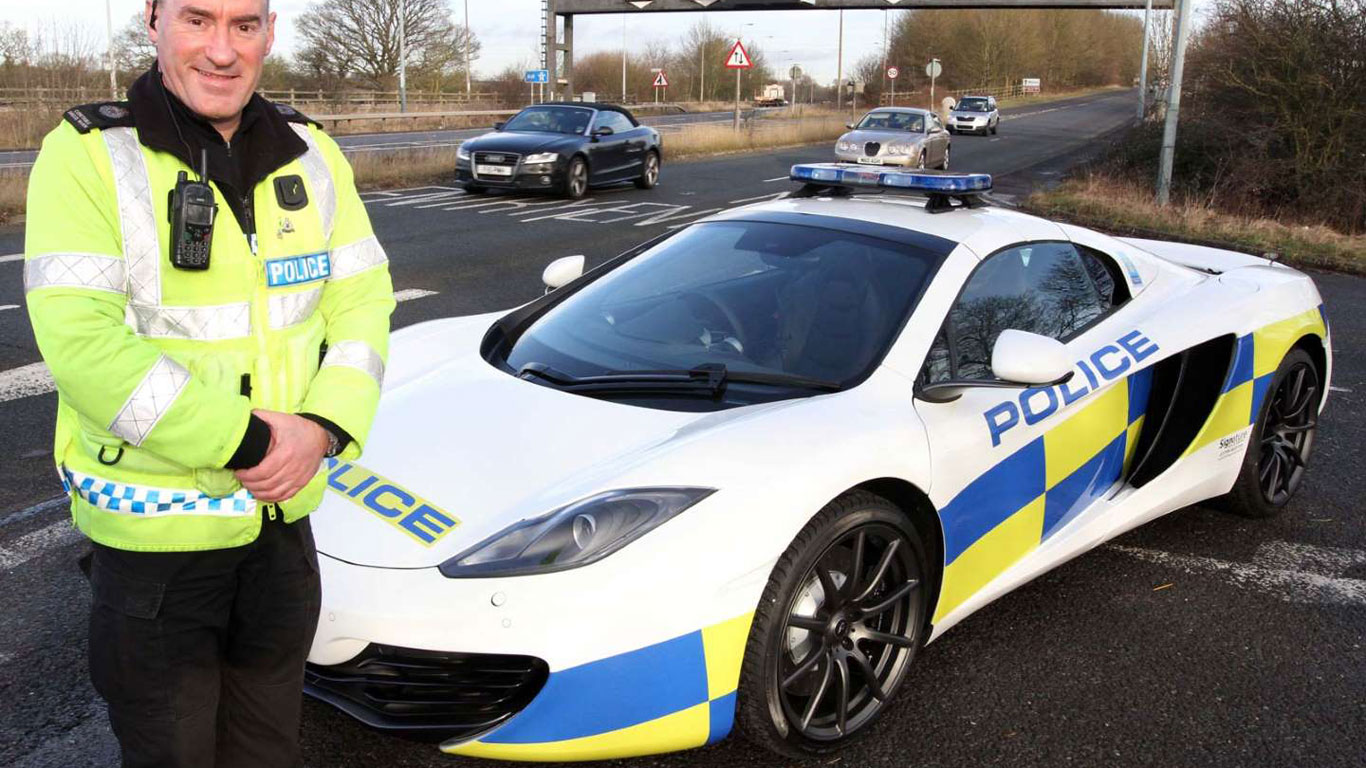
900	161
429	694
631	666
970	127
550	178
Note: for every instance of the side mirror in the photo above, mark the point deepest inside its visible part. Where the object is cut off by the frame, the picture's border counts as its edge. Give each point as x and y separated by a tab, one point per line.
850	126
561	272
603	130
498	126
1028	358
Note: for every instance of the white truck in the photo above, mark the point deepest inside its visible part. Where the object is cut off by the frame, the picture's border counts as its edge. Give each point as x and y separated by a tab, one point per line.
773	95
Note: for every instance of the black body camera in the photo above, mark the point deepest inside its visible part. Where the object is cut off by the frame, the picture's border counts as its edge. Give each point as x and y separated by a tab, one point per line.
192	211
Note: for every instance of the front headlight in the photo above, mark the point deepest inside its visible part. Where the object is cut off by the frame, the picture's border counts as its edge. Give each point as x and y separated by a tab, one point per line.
846	146
461	153
574	535
543	157
900	148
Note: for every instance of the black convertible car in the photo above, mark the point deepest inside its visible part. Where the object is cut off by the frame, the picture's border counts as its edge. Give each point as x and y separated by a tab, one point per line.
561	147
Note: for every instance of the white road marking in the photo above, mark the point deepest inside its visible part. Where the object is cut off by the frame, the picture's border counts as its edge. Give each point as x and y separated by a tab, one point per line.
12	257
780	178
1339	389
35	543
408	294
4	307
25	381
1297	573
36	509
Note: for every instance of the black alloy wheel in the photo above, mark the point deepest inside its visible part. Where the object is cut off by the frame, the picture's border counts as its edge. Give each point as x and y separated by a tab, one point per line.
576	179
1287	433
1281	441
649	174
837	629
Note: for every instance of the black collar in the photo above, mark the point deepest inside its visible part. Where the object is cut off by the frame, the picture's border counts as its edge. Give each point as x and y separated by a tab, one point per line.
262	144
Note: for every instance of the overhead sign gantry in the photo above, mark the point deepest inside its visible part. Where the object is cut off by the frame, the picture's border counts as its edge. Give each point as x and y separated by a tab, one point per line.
559	17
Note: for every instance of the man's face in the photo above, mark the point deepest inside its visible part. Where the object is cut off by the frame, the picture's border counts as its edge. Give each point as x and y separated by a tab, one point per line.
211	51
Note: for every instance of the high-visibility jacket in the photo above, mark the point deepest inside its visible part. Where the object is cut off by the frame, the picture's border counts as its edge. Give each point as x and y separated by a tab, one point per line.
152	363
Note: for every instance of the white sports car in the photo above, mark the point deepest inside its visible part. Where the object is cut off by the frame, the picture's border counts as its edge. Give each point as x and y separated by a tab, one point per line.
740	474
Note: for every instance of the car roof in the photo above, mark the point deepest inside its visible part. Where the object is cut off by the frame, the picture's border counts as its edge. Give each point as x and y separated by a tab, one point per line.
907	110
982	230
595	105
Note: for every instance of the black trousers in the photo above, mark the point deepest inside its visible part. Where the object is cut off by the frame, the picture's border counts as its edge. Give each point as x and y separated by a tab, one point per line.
200	655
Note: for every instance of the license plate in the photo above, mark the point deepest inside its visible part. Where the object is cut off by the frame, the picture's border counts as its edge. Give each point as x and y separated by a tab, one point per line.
870	160
494	170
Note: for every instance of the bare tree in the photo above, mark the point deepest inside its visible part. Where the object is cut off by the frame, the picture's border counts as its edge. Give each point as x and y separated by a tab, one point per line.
133	49
360	38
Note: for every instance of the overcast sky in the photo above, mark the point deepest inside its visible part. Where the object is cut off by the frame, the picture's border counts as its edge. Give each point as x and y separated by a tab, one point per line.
510	29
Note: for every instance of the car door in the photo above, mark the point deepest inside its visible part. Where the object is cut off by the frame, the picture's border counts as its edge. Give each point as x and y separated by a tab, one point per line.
938	141
607	153
636	143
1013	466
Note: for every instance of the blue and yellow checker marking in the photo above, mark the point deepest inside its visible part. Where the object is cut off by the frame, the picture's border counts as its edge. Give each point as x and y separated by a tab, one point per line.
414	516
1012	508
1255	360
1008	511
673	695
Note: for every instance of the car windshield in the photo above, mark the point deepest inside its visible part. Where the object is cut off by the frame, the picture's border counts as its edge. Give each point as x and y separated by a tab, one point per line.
971	105
551	120
753	298
893	121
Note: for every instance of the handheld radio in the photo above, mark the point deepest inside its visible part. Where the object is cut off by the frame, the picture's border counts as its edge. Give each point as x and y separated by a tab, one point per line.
192	211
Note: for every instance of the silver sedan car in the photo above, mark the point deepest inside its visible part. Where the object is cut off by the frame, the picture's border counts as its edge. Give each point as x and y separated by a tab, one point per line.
973	114
896	136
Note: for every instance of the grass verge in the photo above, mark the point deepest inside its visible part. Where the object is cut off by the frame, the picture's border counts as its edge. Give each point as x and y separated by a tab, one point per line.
1125	208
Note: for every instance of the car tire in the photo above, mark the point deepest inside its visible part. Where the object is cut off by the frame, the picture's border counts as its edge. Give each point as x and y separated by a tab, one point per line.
475	189
856	647
649	172
921	165
576	179
995	127
1281	440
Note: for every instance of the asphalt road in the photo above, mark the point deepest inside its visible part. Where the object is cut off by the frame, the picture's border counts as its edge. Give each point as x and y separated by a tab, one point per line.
1200	639
387	142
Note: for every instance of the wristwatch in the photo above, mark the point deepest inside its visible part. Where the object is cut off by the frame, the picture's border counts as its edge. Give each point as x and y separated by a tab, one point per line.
334	444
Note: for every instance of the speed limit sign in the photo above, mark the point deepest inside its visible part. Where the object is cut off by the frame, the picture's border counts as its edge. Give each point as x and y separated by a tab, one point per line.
892	72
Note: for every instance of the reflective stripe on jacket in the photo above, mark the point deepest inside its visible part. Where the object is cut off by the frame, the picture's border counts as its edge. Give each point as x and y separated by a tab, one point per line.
152	362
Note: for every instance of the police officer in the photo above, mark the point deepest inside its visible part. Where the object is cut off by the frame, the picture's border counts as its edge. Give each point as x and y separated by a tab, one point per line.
205	287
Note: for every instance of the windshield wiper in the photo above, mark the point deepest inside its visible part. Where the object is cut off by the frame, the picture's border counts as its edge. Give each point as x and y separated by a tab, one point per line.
709	379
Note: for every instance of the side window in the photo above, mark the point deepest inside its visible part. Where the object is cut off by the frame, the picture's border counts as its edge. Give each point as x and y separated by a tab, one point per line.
614	120
1042	288
1105	274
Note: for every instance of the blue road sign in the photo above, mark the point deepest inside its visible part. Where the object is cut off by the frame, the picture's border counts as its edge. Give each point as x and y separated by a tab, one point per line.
537	76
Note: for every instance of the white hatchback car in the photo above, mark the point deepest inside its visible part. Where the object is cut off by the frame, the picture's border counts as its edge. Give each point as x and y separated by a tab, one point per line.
742	473
975	114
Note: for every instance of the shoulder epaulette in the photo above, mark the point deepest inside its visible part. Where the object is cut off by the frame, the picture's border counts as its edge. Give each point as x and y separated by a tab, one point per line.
103	114
294	116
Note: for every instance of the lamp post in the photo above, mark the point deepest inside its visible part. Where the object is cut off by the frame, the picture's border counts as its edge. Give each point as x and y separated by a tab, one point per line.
403	56
839	68
113	71
467	51
1143	68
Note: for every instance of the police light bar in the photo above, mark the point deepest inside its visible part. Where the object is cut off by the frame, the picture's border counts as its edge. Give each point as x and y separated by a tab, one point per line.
933	182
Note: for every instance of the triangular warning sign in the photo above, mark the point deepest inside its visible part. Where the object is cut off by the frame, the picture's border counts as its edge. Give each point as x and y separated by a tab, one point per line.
738	58
661	81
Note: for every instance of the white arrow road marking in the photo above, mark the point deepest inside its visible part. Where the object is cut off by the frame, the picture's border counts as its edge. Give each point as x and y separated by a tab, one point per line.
33	544
25	381
408	294
1297	573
